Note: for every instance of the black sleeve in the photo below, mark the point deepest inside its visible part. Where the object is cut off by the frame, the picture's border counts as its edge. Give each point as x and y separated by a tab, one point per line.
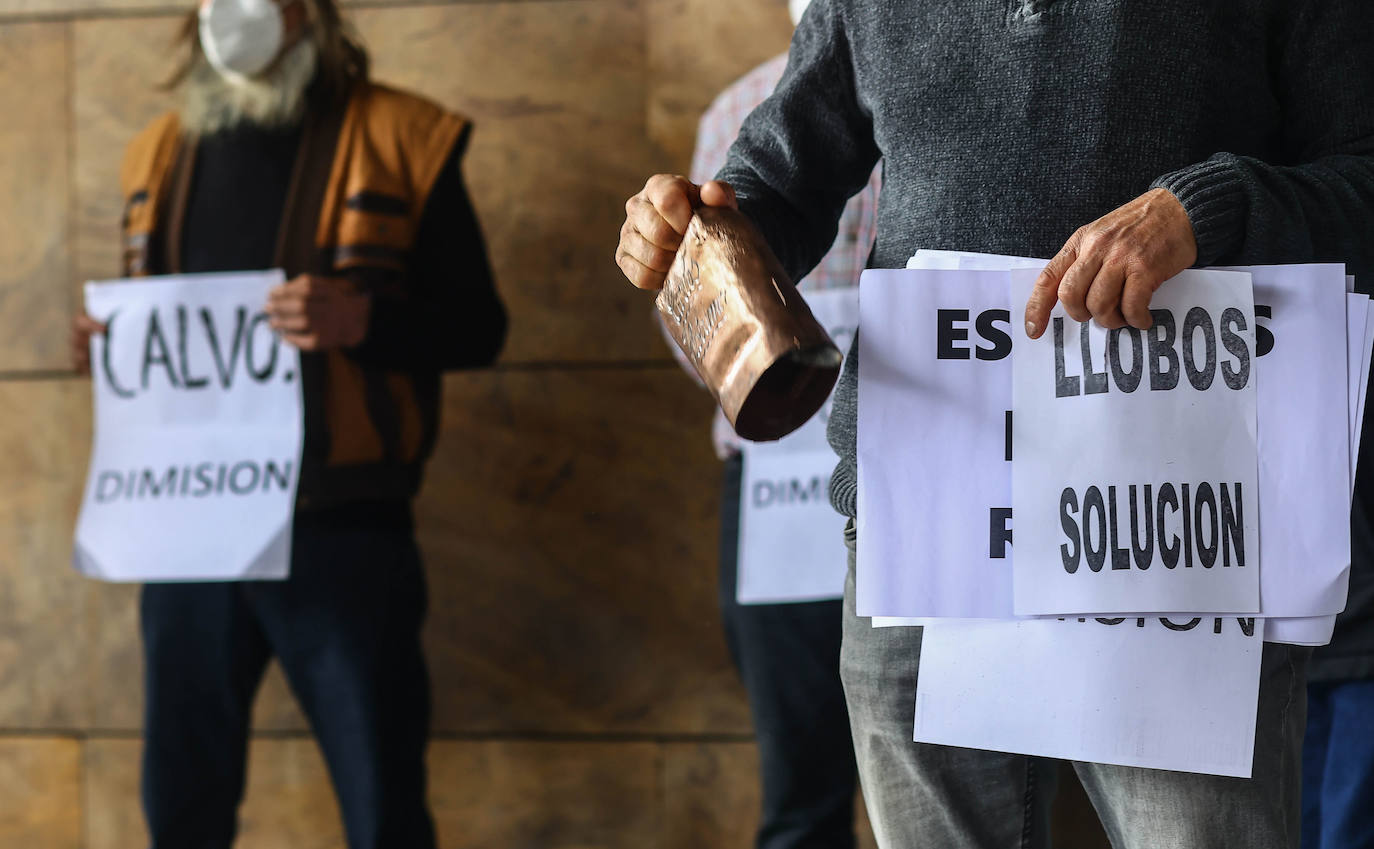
1317	206
447	315
807	149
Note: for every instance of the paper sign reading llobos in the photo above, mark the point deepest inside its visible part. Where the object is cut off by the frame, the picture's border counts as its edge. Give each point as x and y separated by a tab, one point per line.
1297	303
1135	474
198	431
791	544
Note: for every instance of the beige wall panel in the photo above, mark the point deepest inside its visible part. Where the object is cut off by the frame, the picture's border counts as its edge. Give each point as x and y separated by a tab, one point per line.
559	145
569	525
696	49
712	797
35	195
484	795
560	601
31	8
557	93
25	9
40	793
546	795
112	814
43	646
276	708
119	66
289	803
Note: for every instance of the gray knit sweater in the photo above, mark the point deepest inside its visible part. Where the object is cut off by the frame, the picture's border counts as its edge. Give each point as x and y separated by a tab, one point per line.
1004	125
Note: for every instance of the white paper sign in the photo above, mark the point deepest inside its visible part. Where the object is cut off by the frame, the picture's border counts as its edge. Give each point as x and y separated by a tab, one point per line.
1318	630
791	541
1300	351
1140	693
1301	390
198	431
934	505
1135	478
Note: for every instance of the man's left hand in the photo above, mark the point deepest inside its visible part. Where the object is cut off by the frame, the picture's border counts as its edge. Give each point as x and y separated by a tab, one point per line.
319	313
1109	269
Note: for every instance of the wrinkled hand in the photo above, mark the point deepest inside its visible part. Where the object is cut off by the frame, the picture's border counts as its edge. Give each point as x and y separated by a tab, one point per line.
656	219
83	328
319	313
1109	269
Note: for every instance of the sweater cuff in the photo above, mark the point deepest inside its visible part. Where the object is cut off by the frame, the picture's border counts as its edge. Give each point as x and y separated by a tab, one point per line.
1213	195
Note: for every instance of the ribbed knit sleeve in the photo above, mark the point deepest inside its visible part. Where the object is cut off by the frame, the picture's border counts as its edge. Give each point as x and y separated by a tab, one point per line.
807	149
1215	200
1318	205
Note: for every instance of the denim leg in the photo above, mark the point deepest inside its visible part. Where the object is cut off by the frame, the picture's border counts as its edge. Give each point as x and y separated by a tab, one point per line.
1158	809
1347	787
204	658
919	794
788	656
346	628
1314	750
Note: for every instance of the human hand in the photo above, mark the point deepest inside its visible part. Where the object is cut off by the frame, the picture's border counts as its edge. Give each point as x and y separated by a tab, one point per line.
83	328
1109	269
656	219
319	313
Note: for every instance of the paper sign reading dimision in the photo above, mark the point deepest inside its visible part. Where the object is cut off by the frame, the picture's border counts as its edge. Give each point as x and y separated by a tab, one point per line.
198	432
791	542
1176	694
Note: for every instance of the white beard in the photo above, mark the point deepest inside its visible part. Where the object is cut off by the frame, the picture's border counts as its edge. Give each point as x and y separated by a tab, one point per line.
274	100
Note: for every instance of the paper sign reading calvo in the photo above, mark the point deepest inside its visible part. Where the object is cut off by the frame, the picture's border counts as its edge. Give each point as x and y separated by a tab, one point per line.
791	542
1134	486
198	432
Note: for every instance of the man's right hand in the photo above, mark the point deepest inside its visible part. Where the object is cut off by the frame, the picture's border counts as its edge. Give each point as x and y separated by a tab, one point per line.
656	219
83	328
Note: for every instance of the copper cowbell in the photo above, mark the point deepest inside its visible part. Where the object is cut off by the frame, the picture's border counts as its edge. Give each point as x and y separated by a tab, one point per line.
741	322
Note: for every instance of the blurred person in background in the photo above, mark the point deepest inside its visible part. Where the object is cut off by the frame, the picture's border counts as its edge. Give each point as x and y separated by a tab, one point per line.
787	655
284	155
1129	142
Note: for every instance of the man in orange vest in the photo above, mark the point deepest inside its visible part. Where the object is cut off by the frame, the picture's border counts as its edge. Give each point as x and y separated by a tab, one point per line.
284	155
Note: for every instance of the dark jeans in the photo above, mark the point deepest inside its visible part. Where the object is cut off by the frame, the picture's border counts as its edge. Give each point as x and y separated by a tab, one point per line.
788	656
345	627
1338	766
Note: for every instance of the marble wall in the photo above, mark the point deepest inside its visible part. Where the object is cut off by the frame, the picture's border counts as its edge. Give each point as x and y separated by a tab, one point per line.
583	695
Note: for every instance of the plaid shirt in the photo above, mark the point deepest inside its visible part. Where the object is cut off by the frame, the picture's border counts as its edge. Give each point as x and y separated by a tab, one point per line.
848	257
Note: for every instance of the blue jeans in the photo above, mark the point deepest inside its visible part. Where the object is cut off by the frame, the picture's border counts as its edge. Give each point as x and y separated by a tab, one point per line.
346	629
1338	766
788	656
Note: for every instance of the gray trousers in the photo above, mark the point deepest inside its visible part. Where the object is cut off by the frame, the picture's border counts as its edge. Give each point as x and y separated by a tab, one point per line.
921	795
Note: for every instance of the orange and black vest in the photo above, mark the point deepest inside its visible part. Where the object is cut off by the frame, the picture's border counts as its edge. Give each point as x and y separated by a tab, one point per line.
361	180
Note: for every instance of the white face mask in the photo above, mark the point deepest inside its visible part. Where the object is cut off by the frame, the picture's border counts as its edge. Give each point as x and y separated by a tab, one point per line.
241	38
797	7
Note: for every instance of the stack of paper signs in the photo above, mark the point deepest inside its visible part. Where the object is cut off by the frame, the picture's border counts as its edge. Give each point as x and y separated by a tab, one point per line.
1183	494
